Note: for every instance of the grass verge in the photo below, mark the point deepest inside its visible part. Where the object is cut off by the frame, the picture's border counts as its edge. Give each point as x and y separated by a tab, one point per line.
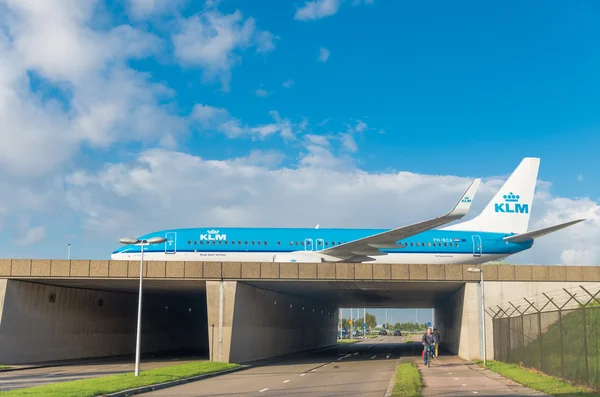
408	381
115	383
4	367
538	381
347	341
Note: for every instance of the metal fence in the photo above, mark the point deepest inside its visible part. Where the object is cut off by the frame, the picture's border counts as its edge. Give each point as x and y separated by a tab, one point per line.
558	335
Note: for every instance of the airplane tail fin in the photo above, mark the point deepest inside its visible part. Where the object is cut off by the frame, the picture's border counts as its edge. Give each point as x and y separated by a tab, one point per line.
509	210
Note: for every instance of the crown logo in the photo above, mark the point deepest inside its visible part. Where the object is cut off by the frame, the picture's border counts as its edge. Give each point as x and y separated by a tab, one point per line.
212	231
467	199
511	197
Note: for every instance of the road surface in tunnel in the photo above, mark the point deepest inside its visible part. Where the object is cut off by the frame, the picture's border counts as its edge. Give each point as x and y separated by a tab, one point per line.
359	369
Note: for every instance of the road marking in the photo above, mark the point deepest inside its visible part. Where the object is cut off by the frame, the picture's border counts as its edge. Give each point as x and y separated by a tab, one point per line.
388	356
260	391
286	381
302	374
475	392
455	378
373	356
464	384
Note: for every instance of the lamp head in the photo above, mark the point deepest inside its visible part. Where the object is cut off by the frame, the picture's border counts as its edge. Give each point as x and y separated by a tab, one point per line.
129	240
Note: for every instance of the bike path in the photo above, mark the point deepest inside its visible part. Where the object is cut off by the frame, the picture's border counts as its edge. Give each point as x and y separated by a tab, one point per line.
450	376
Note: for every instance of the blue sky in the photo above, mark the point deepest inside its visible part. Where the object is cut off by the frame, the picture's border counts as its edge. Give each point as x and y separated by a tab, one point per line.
123	117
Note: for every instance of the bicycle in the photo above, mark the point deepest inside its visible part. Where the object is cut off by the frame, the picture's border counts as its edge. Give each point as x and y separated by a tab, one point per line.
428	355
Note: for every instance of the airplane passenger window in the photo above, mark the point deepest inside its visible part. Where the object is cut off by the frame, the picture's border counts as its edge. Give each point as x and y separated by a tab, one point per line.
245	242
339	243
291	243
189	242
214	242
265	243
279	243
412	244
239	242
258	242
253	243
457	244
233	242
195	242
429	244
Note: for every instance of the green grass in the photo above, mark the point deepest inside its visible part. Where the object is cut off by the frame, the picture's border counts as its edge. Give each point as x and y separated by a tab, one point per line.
114	383
347	341
408	381
570	329
538	381
4	367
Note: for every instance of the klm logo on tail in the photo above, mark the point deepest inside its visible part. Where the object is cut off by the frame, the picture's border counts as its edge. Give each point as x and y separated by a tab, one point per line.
466	199
511	205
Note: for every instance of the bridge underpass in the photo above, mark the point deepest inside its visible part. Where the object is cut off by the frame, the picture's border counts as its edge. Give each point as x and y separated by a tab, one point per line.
88	308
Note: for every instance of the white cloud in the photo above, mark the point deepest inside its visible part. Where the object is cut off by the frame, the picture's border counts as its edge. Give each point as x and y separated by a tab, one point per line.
349	143
216	119
288	83
323	54
32	236
249	192
361	126
100	99
214	41
141	9
262	92
317	9
321	140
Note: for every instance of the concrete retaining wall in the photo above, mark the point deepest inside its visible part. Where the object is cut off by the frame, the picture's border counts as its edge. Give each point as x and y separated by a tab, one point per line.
47	323
259	324
56	268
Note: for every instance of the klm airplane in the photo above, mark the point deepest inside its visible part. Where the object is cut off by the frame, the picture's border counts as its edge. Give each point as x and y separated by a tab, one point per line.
499	231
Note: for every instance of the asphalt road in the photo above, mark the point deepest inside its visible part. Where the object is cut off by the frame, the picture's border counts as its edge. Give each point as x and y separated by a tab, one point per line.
91	369
360	369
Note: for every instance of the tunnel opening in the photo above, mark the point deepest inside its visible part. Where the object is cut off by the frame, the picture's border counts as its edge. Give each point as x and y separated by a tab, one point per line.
55	321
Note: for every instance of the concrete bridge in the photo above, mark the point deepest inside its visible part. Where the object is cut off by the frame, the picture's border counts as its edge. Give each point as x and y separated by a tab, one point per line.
240	312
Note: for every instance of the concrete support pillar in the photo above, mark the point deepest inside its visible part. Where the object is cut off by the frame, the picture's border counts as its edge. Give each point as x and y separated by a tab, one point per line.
246	323
458	321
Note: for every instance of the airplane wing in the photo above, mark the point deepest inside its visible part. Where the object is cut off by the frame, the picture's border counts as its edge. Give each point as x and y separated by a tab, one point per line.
371	245
517	238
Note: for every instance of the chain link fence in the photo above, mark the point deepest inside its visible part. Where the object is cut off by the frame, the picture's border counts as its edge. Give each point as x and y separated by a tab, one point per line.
558	333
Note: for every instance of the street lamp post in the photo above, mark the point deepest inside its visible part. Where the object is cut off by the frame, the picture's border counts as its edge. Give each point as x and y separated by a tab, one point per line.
141	243
480	271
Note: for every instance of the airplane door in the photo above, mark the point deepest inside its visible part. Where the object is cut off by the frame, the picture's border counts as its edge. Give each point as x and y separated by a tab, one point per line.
476	246
170	243
308	244
320	244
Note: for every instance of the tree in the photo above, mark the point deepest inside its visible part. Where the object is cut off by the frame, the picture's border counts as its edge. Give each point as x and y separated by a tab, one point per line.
371	321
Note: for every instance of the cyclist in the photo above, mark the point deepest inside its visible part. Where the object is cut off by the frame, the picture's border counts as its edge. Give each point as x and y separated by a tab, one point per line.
428	342
436	339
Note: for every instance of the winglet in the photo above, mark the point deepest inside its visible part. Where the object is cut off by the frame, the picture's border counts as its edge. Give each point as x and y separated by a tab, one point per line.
464	204
517	238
